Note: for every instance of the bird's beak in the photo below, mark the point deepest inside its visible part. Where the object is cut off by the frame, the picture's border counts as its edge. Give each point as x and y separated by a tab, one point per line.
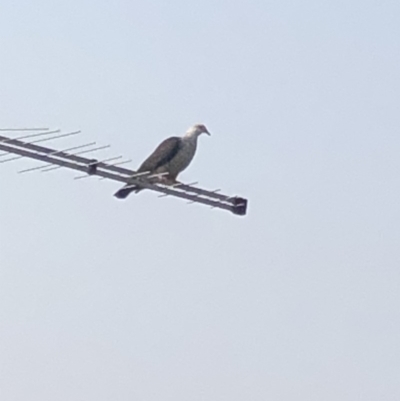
206	132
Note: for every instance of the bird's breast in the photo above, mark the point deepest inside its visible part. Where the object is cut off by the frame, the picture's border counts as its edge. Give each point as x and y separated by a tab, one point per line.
183	157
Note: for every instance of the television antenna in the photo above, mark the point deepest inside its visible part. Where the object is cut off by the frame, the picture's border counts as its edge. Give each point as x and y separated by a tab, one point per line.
25	144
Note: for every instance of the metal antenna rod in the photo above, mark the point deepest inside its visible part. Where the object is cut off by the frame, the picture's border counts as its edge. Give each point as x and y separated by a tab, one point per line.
22	129
95	162
178	184
11	140
77	153
44	140
105	160
53	154
57	137
92	150
116	164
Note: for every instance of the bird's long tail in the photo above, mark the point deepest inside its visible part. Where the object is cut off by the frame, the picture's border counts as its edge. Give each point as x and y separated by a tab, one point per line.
126	190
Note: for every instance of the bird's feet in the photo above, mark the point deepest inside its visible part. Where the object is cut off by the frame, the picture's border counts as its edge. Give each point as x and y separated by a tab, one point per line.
169	181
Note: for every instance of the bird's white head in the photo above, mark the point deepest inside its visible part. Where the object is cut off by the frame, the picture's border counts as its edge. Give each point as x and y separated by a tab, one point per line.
197	130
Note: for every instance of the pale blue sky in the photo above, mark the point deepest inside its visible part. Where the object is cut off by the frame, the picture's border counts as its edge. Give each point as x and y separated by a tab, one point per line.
153	299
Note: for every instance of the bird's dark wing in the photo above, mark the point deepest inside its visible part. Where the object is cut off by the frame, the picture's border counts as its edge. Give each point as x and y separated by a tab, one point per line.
164	153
